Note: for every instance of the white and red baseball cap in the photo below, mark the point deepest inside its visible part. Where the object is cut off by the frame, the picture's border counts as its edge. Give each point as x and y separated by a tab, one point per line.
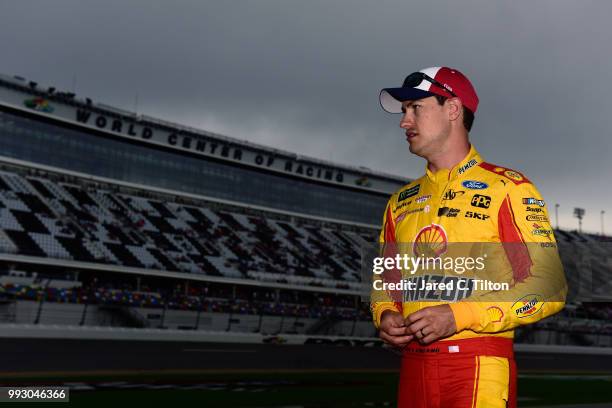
431	81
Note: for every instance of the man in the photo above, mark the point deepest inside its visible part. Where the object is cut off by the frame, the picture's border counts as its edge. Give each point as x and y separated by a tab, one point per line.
460	354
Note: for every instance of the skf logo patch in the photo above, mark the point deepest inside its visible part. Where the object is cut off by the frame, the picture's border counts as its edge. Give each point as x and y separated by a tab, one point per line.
527	306
481	201
411	192
478	216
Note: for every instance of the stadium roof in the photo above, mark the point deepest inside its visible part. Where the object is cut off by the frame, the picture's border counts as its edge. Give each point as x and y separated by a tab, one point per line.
71	99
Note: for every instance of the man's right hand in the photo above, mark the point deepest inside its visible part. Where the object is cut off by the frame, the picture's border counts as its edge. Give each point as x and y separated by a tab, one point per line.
393	329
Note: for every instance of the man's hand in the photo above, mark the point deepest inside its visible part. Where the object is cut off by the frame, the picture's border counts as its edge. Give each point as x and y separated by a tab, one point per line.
431	323
393	329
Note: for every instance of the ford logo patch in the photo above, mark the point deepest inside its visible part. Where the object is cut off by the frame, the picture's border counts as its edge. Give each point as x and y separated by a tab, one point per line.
474	185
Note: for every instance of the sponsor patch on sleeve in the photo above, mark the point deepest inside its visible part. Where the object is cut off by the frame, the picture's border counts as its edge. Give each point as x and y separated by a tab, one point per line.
514	175
527	306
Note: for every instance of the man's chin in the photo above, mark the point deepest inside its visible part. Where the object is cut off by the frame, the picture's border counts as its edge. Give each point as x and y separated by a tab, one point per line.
418	152
414	149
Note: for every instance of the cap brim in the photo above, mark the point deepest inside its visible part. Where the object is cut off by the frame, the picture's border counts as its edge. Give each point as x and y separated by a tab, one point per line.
391	98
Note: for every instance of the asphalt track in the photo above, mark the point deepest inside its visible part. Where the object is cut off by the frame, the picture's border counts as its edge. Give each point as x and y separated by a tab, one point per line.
60	355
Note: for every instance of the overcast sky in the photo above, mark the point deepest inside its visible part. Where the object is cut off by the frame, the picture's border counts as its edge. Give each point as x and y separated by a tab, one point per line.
305	75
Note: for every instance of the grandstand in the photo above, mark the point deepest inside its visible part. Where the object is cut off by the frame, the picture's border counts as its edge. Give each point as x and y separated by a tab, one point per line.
113	219
213	258
109	219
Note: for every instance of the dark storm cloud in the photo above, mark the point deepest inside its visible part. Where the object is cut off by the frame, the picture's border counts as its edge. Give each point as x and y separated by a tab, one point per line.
305	76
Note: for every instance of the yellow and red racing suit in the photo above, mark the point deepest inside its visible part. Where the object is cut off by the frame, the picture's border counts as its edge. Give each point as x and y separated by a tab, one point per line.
476	202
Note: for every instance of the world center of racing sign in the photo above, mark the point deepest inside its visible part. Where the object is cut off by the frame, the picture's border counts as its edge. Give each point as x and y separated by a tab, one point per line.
150	130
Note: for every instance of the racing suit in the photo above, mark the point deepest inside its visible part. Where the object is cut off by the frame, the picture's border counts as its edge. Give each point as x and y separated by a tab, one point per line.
475	202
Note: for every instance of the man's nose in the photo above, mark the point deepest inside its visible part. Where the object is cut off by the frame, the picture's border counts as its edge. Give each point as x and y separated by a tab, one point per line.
407	120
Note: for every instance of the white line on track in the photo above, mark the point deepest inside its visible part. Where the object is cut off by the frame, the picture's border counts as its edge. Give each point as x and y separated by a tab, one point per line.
606	405
218	351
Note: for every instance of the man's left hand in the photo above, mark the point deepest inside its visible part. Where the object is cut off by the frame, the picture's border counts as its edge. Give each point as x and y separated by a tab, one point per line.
431	323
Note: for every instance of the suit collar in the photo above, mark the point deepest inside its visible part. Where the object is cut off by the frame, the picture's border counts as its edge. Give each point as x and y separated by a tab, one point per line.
464	167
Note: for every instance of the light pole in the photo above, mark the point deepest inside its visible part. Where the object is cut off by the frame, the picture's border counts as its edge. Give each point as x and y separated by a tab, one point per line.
602	222
579	213
557	215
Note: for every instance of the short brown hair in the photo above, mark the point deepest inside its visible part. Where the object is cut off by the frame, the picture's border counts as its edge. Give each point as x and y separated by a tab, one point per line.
468	115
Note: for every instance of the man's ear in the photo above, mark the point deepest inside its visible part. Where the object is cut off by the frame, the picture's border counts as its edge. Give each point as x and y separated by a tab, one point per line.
455	107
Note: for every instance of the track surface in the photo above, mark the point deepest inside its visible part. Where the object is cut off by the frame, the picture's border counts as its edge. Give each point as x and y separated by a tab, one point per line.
35	355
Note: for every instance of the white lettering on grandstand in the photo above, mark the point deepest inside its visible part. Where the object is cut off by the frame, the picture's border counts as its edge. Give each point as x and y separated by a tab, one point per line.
210	147
174	136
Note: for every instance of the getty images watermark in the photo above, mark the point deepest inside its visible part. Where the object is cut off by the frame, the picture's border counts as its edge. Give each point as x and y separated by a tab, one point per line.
410	265
450	272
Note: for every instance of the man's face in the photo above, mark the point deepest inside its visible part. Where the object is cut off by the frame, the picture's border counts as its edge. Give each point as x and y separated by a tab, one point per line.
427	126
